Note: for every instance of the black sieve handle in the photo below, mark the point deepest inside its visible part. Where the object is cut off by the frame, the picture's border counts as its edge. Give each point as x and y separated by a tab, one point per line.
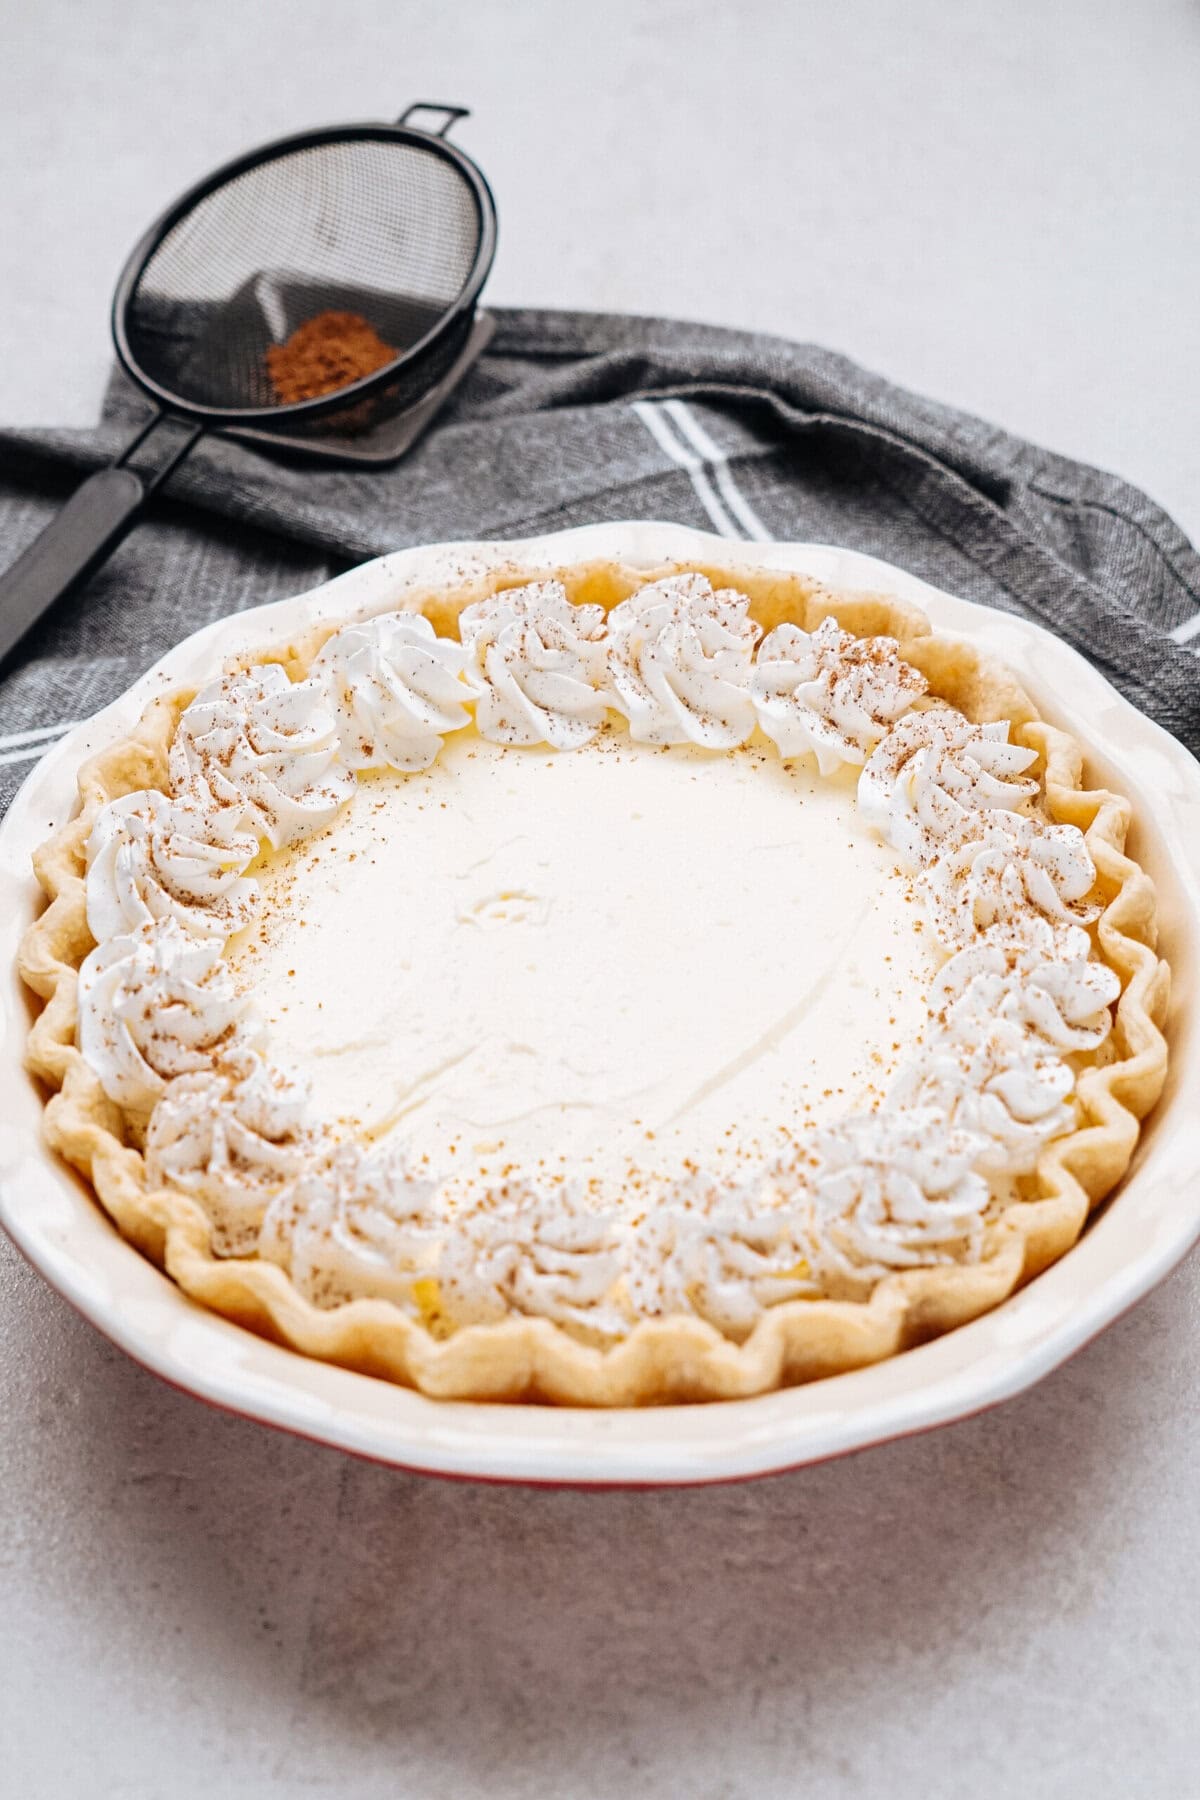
78	539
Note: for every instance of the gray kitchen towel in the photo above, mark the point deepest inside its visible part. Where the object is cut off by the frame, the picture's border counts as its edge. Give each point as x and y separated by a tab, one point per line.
571	418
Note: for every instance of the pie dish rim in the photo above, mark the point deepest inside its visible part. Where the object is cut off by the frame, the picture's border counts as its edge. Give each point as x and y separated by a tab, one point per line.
372	586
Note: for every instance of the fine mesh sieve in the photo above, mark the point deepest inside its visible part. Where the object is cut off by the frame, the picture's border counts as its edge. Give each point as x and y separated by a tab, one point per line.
388	222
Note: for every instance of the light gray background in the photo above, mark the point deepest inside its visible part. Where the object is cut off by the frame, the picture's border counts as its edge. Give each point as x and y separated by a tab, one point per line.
997	205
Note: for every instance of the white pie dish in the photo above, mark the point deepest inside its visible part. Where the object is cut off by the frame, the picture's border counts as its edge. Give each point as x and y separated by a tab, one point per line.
1139	1236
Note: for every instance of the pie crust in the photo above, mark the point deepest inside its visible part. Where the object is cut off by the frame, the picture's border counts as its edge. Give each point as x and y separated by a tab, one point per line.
676	1358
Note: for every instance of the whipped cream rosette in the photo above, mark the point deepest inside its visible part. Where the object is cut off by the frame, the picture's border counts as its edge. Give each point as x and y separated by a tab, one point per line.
991	1077
1064	1001
233	1137
155	1003
719	1256
932	772
268	744
155	856
538	664
356	1223
396	689
545	1254
998	868
893	1190
679	663
828	694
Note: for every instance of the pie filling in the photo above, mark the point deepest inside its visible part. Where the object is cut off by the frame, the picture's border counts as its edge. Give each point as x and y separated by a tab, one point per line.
610	965
592	968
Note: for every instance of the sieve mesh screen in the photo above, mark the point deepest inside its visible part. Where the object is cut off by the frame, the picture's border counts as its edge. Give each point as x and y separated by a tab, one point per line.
383	228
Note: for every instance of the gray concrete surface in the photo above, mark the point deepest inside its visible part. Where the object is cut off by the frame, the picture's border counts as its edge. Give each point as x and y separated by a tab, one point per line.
996	205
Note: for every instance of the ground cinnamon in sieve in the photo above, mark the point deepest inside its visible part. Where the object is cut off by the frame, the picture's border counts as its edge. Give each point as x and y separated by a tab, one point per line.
325	353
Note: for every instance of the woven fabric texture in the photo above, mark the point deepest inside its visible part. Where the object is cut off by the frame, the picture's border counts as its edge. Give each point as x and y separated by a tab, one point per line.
571	418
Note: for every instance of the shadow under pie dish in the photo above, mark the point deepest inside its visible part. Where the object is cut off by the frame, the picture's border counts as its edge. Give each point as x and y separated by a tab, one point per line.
824	1053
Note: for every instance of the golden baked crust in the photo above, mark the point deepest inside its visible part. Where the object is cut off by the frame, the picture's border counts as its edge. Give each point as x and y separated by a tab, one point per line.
680	1358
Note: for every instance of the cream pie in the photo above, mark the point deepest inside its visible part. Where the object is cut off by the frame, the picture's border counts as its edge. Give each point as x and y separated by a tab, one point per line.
603	989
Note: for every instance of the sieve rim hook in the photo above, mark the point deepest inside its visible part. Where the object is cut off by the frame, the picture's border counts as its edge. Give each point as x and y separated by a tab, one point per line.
452	115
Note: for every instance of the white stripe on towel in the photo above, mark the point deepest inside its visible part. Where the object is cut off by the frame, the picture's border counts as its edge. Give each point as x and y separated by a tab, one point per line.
652	418
1183	634
29	754
689	427
37	733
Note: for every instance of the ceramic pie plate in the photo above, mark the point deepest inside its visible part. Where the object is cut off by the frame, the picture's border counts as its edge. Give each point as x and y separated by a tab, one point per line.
1137	1238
